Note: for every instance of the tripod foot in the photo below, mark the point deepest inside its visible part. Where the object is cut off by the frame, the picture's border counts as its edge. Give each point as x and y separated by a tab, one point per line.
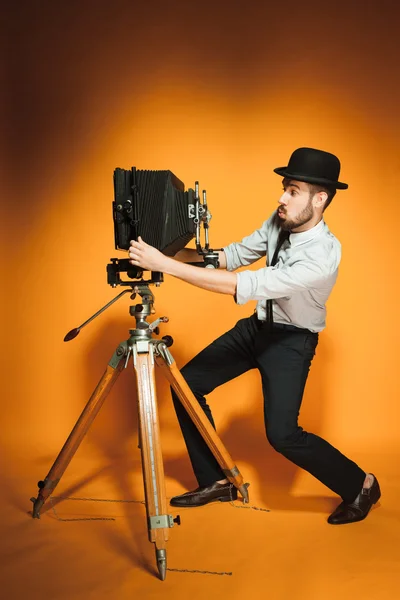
161	557
244	492
37	505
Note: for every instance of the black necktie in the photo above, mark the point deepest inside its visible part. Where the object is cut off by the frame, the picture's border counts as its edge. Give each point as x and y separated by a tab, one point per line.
283	236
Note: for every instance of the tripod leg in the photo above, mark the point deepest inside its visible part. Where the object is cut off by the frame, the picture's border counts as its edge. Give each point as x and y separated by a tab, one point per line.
158	520
168	366
76	436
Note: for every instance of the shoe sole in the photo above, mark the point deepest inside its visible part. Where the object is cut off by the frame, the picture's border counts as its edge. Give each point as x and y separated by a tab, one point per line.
222	499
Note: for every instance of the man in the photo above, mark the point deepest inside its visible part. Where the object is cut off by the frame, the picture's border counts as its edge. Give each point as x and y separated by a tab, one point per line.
279	339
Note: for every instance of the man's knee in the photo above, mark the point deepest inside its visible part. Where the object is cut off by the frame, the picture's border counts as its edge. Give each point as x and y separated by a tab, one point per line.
284	439
197	381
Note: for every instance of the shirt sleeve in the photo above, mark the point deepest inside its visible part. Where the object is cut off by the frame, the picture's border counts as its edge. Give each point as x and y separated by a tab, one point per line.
250	249
272	282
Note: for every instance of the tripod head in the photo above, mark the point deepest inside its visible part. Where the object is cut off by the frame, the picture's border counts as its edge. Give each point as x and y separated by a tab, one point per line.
122	265
140	311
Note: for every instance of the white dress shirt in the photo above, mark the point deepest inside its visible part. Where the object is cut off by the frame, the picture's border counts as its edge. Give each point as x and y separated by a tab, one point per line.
300	282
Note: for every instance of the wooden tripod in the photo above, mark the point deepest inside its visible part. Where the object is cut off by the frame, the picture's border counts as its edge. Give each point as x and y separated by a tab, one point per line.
146	353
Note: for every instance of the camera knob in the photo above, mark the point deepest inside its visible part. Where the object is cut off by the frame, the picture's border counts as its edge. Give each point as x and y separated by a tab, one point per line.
168	340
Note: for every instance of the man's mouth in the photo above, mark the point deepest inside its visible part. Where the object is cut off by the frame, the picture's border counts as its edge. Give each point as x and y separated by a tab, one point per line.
281	212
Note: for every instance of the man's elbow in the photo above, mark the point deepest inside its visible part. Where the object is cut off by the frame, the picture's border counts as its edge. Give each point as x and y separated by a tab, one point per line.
231	285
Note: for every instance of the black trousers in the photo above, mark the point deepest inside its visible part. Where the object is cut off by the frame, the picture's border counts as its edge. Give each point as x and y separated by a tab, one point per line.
283	356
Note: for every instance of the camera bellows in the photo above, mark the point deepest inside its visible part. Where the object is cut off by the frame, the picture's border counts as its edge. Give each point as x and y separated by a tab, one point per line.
153	205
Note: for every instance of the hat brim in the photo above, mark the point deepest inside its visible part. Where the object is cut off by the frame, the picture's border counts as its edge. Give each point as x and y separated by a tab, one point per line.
335	184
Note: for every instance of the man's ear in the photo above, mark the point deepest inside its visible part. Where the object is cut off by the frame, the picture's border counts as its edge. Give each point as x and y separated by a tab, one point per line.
319	199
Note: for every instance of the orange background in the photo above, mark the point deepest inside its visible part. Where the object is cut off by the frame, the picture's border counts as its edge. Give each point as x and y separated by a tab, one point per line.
221	93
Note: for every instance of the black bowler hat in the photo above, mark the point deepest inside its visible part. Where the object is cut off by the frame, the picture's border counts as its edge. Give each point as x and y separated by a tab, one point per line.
313	166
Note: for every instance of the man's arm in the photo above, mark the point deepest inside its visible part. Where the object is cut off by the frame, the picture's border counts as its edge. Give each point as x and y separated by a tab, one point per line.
214	280
270	282
251	248
236	254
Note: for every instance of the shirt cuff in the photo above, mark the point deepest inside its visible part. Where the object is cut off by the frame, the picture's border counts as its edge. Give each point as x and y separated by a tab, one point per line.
230	263
246	284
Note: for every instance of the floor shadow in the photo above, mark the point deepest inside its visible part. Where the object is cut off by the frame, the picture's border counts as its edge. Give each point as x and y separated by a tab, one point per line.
58	498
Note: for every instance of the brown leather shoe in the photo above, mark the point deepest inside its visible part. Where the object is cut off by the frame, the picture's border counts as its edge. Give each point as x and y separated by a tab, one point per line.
222	492
350	512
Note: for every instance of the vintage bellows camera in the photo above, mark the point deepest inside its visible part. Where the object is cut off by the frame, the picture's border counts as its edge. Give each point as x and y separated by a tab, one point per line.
155	206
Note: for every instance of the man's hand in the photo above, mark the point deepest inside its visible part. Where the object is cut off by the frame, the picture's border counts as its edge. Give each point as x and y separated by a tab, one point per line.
145	256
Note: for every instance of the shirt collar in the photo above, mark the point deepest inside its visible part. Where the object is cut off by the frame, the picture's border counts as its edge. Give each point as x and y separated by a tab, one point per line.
296	239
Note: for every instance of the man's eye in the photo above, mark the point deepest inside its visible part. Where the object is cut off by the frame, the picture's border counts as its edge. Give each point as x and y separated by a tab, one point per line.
293	193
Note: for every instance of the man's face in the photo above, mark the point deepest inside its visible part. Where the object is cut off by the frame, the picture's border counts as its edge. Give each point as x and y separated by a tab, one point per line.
295	205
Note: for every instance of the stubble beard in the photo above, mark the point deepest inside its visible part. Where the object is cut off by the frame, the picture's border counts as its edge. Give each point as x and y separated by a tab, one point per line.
302	218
